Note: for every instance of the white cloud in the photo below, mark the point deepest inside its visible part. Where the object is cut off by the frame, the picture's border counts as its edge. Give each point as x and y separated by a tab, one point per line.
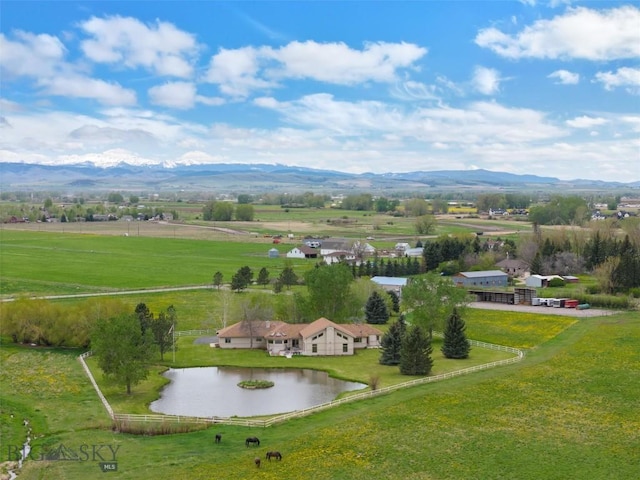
83	87
98	135
578	33
236	72
337	63
623	77
160	48
30	55
411	90
565	77
486	80
180	95
586	122
240	71
210	101
42	57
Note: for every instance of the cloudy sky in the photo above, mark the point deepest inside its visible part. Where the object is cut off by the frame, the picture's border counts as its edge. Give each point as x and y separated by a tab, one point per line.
540	87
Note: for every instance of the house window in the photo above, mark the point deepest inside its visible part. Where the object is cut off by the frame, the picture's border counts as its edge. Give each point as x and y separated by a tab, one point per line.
227	340
259	339
345	348
314	348
357	340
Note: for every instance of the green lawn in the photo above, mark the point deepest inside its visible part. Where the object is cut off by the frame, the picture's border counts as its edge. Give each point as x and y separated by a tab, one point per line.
568	410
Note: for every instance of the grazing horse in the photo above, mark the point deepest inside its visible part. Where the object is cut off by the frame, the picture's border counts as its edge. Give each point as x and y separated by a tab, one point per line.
252	440
218	438
276	455
257	462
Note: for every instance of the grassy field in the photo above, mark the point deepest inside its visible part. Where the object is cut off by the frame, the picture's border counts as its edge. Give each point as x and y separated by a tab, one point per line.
567	411
55	263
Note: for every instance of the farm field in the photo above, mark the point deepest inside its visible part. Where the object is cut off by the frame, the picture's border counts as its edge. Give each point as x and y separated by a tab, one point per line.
566	411
48	263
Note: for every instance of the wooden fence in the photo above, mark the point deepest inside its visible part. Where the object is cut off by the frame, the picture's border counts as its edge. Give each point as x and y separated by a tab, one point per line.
248	422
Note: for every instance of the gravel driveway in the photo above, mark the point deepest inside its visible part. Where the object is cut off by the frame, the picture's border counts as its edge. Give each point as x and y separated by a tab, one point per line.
568	312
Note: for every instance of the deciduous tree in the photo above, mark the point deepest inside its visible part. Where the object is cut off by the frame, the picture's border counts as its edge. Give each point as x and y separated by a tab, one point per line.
431	298
217	280
122	350
329	292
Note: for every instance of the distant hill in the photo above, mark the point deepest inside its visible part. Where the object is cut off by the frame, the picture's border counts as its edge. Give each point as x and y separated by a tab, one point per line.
264	178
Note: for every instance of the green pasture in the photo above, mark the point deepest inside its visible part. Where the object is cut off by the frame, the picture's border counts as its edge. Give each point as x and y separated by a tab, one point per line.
39	262
568	410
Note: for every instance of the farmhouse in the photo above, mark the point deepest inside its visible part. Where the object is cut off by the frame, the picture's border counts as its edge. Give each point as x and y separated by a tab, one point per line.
513	266
337	257
485	278
322	337
303	251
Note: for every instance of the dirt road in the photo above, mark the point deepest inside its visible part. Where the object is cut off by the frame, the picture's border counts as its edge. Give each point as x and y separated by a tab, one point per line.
567	312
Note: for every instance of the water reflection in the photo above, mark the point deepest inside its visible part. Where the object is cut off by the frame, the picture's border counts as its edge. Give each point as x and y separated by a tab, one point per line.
214	391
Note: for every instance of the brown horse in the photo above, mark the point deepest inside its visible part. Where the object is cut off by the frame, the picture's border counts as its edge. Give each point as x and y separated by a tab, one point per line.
257	462
276	455
252	440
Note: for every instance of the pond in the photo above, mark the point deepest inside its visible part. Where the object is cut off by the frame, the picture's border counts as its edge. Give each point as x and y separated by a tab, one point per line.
214	391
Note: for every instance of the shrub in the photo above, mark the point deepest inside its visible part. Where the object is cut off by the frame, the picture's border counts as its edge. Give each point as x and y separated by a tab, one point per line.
556	282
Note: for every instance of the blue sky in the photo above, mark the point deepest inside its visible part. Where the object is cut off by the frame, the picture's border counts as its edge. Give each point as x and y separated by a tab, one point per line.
538	87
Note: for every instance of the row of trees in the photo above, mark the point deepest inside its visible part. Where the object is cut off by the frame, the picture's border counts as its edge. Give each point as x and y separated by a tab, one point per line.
411	347
221	211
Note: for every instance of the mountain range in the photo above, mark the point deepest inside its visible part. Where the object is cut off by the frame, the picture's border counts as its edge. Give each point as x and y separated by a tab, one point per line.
243	178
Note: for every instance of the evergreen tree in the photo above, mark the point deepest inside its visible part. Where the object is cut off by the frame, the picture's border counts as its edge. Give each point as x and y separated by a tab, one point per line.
395	301
391	343
163	331
263	276
536	265
288	277
376	311
145	317
241	279
247	274
455	343
415	352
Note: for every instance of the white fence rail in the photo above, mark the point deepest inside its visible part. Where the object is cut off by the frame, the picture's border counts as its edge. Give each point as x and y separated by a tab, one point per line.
95	385
247	422
194	333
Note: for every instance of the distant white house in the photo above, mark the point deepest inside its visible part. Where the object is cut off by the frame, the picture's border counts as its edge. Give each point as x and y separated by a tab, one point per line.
402	246
334	250
303	251
414	252
337	257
